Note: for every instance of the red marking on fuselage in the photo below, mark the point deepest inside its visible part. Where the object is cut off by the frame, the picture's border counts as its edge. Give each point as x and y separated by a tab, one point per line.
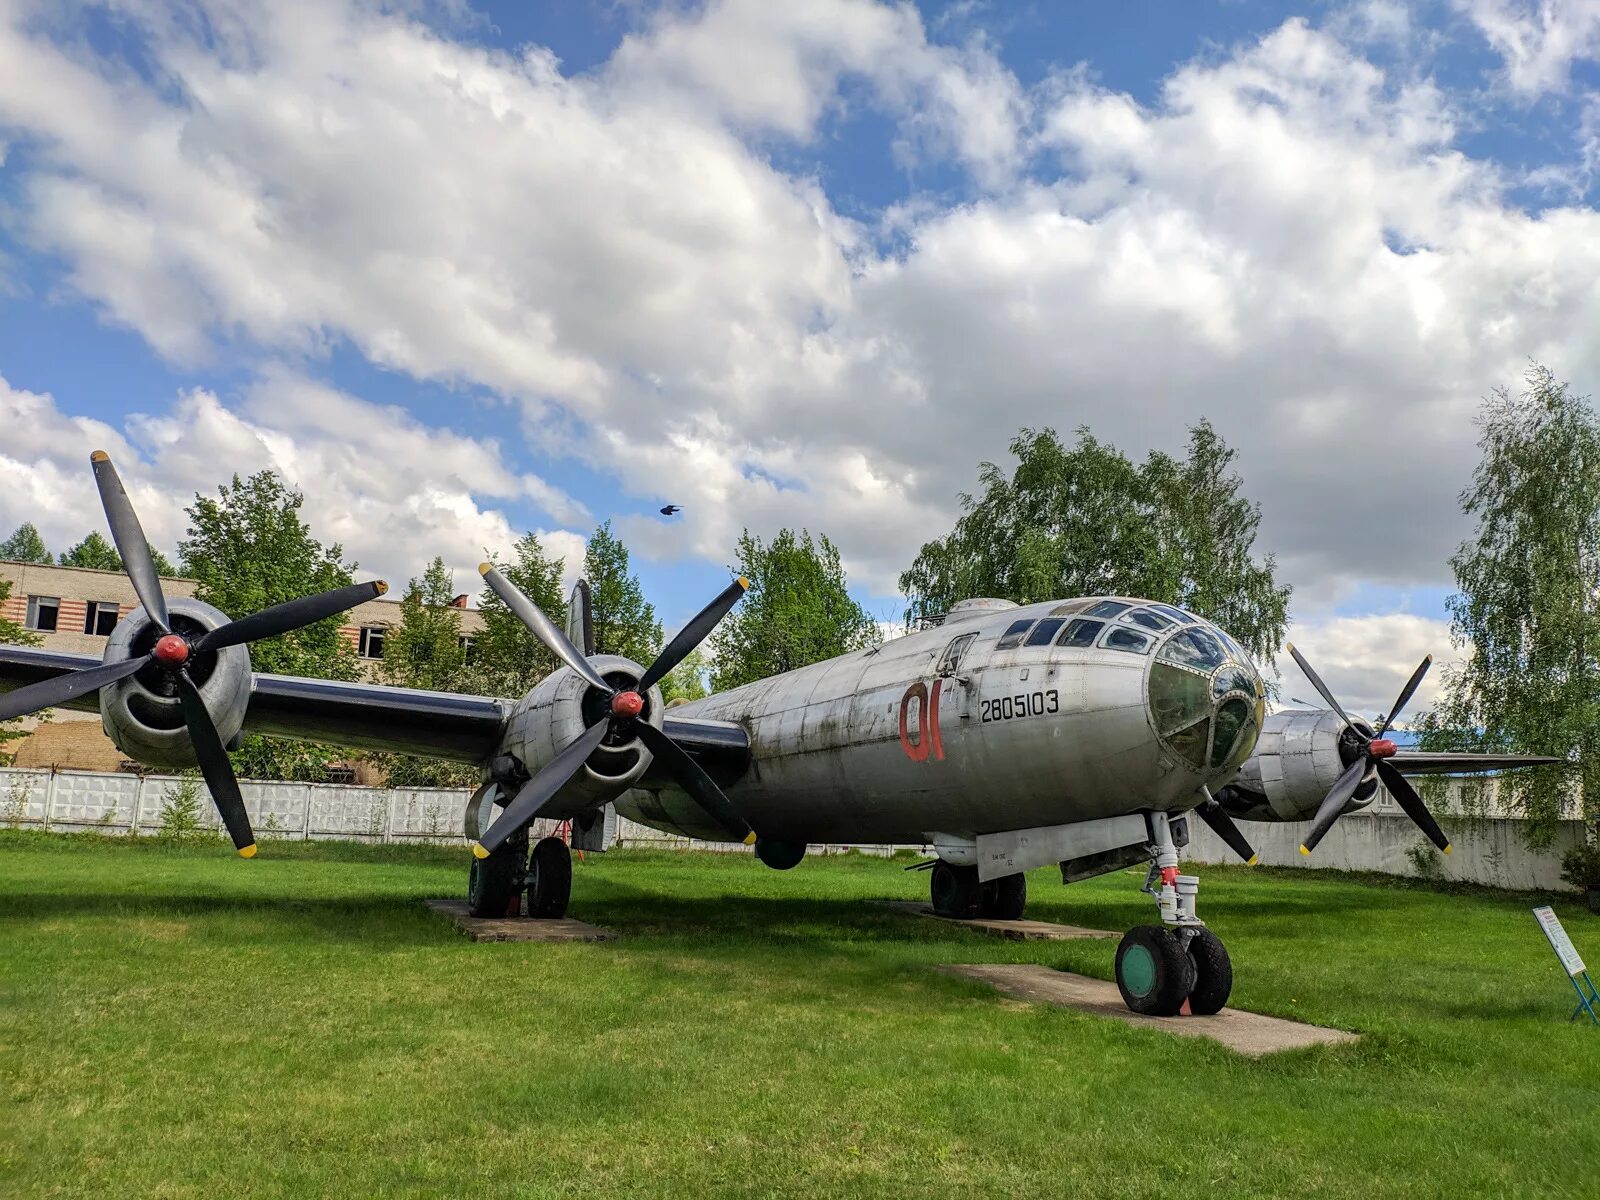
927	731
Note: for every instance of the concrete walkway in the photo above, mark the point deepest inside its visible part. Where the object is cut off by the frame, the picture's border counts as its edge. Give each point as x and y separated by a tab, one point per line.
1023	930
518	929
1246	1033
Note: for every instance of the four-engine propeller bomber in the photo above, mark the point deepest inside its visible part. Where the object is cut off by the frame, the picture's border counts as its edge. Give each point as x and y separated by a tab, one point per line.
1079	732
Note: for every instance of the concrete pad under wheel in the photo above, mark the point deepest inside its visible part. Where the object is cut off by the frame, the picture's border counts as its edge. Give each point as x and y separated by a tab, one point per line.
1024	930
1245	1033
518	929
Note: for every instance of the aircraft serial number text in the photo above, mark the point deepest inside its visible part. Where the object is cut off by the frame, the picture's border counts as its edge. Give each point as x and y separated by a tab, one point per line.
1026	704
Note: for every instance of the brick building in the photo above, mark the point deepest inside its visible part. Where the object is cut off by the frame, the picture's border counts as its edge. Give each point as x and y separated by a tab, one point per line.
74	610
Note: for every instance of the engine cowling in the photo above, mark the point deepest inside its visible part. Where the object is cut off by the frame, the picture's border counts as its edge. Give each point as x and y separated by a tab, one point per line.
1297	760
560	708
141	714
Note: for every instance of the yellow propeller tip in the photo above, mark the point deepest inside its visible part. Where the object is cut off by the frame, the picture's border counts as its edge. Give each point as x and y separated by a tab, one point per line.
380	586
1253	860
247	851
1304	851
485	568
744	582
478	851
750	838
1448	847
1289	646
99	456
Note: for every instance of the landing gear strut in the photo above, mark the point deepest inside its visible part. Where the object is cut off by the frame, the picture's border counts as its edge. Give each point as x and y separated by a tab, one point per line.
1162	968
957	892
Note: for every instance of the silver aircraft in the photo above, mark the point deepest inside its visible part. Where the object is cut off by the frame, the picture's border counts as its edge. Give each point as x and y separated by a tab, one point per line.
1079	732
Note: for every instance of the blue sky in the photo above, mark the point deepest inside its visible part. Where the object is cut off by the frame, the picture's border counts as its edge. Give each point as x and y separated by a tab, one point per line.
461	271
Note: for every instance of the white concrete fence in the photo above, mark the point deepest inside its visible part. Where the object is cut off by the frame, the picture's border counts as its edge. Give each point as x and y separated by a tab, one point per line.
1488	850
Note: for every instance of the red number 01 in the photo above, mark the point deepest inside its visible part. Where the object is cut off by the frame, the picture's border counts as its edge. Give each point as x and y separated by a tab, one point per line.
927	731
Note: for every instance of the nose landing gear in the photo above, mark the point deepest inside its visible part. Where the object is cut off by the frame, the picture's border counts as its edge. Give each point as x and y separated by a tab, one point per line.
1163	970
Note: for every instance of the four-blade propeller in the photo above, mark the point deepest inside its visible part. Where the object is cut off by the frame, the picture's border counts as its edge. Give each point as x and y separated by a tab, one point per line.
1375	752
174	652
623	717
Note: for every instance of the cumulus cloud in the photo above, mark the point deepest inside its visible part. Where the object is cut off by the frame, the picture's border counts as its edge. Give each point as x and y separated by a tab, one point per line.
1538	40
1366	660
1287	240
392	511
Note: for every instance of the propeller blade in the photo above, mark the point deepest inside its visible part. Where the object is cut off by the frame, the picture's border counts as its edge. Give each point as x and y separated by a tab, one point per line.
49	693
129	537
1214	815
700	786
546	630
1405	694
538	790
215	766
692	634
1316	682
1406	796
293	614
1333	803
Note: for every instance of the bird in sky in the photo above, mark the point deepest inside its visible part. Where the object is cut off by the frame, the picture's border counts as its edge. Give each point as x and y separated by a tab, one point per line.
668	509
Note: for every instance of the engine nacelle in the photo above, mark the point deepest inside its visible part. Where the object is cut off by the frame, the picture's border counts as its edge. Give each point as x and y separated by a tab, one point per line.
560	708
141	713
1297	760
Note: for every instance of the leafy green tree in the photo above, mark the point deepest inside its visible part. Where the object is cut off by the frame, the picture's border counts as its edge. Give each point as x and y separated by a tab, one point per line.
797	611
507	659
1527	609
96	553
25	545
624	621
424	651
1084	520
688	680
248	550
12	634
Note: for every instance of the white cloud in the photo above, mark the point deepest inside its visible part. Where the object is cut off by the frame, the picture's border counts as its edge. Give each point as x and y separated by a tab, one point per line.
1538	40
392	492
1366	660
1286	241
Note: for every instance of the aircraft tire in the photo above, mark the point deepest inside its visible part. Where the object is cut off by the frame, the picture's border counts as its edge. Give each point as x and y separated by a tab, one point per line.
1213	980
956	891
549	878
1004	899
492	883
1154	974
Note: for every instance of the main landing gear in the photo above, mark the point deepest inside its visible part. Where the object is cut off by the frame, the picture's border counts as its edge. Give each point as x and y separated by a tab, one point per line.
496	884
958	892
1180	965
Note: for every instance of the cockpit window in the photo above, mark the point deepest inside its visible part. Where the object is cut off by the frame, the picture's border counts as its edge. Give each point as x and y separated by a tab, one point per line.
1070	607
1013	636
1081	633
1232	720
1130	641
1194	648
1150	620
1177	614
1107	608
1044	631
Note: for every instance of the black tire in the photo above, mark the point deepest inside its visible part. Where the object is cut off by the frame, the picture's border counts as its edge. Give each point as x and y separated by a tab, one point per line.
1154	974
1004	898
549	878
492	884
780	856
1213	973
956	891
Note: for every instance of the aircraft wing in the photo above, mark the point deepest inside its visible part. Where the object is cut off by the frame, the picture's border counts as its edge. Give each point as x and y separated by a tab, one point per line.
1426	762
369	716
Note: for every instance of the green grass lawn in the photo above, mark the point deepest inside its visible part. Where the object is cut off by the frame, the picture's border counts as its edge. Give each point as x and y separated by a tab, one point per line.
177	1022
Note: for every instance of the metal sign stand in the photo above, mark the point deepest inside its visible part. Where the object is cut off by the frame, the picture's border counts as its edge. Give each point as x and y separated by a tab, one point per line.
1567	955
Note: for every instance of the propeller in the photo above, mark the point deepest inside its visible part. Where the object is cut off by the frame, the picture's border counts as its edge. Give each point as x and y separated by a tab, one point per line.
1214	815
174	652
623	717
1374	752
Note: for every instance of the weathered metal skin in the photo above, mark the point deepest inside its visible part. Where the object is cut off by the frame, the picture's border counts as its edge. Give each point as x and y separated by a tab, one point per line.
894	744
553	714
1296	762
141	714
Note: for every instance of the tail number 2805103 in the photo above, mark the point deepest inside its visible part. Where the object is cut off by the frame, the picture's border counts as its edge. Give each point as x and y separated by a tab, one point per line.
1023	704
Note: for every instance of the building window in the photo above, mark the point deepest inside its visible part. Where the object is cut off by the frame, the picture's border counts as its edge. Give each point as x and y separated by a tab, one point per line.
371	641
100	617
42	613
468	645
